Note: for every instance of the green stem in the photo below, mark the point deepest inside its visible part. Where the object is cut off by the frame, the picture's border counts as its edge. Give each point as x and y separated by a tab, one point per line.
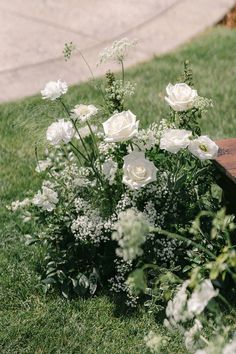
123	71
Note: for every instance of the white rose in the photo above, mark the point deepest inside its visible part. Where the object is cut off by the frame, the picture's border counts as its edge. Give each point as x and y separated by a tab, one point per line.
203	148
200	298
47	199
173	140
121	126
83	112
138	171
61	131
181	97
54	90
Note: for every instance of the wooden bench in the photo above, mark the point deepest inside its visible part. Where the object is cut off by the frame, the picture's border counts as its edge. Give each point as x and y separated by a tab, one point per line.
226	165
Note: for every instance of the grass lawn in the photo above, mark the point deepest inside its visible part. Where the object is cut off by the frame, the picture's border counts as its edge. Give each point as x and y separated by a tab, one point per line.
31	322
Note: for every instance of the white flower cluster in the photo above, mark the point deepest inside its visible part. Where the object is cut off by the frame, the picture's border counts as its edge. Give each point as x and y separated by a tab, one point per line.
43	165
83	112
153	342
192	336
173	140
118	51
54	90
219	347
183	308
60	132
46	199
131	230
89	226
19	204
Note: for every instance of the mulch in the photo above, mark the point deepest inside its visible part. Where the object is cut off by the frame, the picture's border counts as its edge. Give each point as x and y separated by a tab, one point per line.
230	19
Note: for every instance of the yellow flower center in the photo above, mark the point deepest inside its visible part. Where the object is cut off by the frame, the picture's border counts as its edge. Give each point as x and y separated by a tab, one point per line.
203	147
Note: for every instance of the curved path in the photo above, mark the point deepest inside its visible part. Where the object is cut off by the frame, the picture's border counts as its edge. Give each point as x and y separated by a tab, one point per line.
33	33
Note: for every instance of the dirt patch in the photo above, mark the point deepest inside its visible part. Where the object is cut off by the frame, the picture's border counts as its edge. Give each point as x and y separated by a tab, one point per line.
230	19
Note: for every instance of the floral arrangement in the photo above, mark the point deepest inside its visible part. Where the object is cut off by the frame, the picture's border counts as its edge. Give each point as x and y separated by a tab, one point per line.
130	209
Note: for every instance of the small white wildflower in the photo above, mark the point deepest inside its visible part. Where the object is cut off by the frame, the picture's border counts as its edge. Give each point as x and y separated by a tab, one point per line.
203	148
19	204
138	171
181	97
200	297
60	131
173	140
131	230
153	341
83	112
43	165
118	50
109	169
47	199
54	90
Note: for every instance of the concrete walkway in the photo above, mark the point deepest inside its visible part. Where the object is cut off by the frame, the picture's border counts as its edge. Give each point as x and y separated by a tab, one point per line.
33	34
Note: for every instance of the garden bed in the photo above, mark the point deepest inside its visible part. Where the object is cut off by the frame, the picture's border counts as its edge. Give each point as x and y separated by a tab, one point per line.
94	325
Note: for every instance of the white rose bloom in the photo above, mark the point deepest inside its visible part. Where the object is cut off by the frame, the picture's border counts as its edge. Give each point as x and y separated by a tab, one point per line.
54	90
138	171
47	199
109	169
203	148
43	165
61	131
173	140
181	97
83	112
121	126
200	298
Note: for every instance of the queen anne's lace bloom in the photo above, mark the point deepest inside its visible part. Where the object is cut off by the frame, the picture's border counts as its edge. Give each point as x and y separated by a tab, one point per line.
54	90
47	199
118	50
61	131
181	97
131	230
173	140
203	148
83	112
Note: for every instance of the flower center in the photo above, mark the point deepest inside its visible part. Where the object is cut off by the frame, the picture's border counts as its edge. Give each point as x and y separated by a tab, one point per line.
203	147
